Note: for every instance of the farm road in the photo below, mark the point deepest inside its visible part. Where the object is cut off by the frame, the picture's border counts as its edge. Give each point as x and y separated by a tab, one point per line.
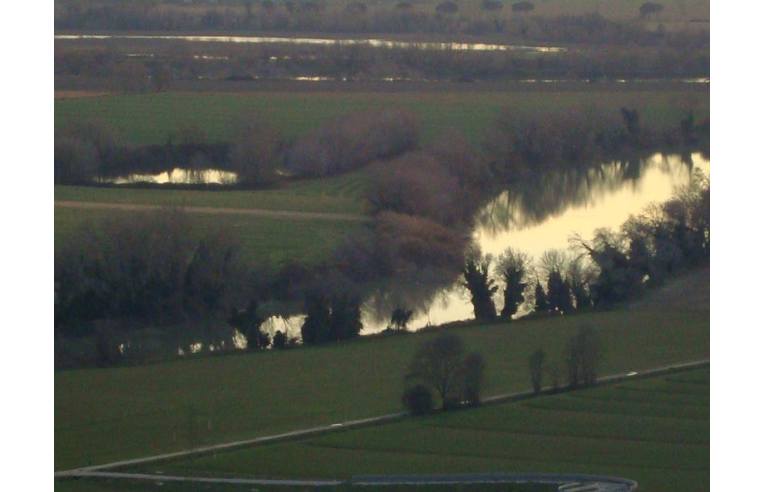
255	212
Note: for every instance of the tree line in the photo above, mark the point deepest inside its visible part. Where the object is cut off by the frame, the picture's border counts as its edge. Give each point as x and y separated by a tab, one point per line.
258	153
514	20
610	268
167	64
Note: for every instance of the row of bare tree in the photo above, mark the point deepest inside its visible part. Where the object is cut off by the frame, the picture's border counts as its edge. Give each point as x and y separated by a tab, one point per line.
442	16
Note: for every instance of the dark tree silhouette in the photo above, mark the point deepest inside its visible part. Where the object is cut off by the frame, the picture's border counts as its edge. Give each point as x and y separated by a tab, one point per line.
541	305
512	268
315	328
481	286
582	357
400	318
248	323
279	340
558	293
440	364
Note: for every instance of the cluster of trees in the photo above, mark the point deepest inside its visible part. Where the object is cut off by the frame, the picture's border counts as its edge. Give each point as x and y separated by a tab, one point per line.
145	270
519	145
581	358
613	267
331	317
352	141
257	151
147	266
441	368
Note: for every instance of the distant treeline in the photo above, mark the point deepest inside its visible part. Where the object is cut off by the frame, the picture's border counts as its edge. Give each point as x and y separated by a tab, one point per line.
127	65
510	20
258	153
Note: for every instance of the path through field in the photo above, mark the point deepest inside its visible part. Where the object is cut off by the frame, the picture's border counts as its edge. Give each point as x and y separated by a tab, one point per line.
500	398
258	212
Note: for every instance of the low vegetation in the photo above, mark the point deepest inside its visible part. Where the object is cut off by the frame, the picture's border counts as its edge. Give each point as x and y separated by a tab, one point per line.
631	429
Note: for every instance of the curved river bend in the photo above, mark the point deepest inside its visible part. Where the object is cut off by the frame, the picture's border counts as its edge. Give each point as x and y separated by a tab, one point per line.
534	217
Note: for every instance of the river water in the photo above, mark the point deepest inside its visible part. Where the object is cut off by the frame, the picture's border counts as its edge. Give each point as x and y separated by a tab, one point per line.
533	216
540	215
373	42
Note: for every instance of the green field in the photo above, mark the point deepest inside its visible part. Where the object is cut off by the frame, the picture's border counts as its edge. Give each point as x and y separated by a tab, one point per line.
653	430
263	241
151	118
103	415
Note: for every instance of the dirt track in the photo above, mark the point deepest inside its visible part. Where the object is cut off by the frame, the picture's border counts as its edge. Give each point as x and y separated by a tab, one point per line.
256	212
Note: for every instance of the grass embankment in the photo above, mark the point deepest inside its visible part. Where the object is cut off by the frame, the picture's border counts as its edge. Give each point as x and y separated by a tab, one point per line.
653	430
152	118
263	241
103	415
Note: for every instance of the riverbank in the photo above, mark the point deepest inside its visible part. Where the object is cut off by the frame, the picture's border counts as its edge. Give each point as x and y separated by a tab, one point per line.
119	413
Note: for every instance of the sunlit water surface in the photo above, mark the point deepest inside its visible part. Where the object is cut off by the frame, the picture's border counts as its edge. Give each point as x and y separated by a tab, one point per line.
545	215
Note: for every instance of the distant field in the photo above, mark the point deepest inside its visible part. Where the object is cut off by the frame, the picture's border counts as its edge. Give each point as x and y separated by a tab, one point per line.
655	431
103	415
152	118
264	241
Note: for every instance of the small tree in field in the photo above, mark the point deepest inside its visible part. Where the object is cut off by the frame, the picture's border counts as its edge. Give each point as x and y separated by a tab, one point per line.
440	364
536	366
582	357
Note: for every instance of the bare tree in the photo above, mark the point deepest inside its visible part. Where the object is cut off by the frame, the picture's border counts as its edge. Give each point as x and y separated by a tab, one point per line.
513	267
440	364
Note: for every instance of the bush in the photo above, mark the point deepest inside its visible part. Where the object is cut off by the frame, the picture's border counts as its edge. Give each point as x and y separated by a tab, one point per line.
416	184
353	141
440	366
418	400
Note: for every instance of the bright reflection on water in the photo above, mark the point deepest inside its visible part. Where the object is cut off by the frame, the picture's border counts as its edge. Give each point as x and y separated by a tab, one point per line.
177	176
376	43
537	216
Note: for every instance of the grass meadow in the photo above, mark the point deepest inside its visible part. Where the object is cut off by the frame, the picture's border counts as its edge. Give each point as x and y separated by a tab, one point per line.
152	118
653	430
263	240
102	415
